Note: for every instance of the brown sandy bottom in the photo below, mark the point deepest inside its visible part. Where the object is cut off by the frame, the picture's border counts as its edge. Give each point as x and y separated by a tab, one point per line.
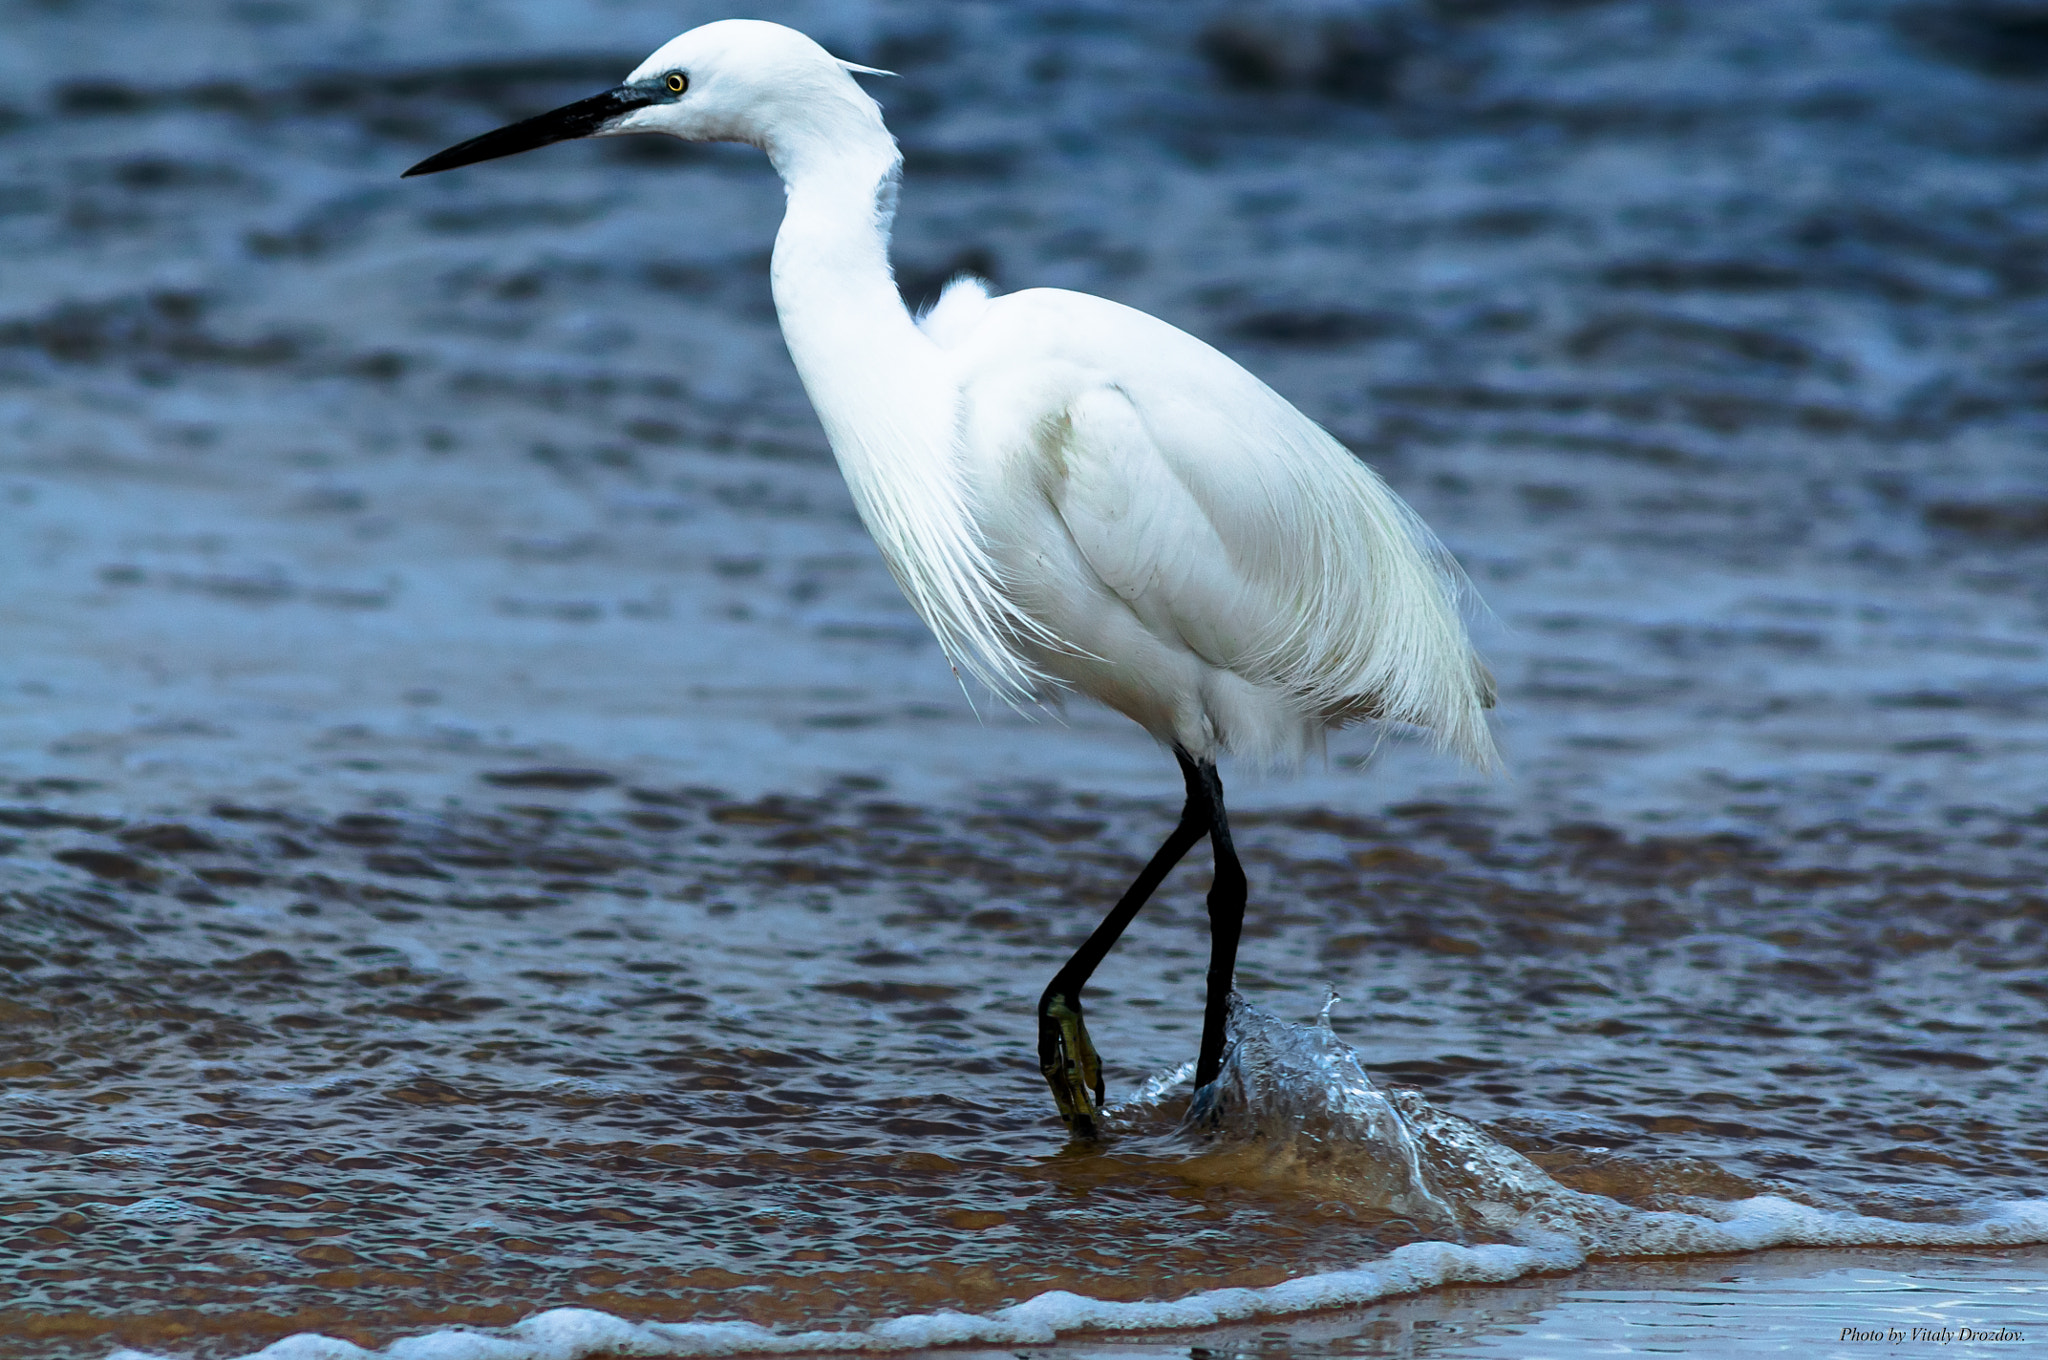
676	1057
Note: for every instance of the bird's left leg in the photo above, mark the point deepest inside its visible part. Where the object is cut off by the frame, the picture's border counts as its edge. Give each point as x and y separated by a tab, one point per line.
1065	1054
1226	924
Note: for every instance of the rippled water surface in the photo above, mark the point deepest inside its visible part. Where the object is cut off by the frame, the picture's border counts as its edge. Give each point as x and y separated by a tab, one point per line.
480	833
674	1056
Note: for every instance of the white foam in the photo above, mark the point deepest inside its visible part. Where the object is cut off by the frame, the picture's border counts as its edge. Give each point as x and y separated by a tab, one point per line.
1281	1082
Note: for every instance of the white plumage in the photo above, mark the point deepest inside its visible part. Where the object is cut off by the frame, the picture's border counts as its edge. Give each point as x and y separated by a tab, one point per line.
1072	494
1203	557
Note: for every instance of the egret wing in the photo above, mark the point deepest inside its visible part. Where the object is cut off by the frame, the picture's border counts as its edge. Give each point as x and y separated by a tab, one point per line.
1230	522
1149	534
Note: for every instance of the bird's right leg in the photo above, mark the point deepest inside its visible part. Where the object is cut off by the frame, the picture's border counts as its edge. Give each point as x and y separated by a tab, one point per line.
1065	1054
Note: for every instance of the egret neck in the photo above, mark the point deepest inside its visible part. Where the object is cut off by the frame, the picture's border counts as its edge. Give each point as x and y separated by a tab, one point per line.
865	365
885	393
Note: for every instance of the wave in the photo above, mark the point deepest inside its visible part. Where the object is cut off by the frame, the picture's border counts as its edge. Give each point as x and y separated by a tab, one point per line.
1294	1103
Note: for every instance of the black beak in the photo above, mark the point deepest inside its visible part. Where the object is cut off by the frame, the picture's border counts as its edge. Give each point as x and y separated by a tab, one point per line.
579	119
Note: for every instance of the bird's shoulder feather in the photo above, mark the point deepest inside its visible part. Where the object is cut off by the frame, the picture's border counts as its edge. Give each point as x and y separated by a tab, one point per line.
961	307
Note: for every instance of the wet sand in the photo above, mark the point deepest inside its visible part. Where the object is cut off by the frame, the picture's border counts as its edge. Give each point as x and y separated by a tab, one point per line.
467	772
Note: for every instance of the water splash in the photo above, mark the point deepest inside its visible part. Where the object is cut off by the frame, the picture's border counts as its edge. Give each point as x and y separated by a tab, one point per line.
1300	1095
1297	1099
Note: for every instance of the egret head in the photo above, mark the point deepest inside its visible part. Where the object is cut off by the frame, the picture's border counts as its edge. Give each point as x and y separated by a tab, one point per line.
737	80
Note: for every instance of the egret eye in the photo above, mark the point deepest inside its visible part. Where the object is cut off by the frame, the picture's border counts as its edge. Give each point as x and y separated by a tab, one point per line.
677	82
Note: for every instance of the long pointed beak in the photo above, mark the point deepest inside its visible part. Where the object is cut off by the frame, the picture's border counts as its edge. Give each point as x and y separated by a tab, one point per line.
579	119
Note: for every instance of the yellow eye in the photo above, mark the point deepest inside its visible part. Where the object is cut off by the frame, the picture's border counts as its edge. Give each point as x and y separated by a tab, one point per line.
677	82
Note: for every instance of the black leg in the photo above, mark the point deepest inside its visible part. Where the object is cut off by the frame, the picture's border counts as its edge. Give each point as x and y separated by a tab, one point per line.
1226	923
1065	1055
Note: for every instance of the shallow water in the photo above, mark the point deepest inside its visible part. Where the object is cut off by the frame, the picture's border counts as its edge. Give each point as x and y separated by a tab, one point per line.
482	833
676	1057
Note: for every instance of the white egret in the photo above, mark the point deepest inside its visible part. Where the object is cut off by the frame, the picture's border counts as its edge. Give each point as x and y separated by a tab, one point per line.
1075	496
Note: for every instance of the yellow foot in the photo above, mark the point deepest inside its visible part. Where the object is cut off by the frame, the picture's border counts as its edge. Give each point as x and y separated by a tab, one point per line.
1070	1065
